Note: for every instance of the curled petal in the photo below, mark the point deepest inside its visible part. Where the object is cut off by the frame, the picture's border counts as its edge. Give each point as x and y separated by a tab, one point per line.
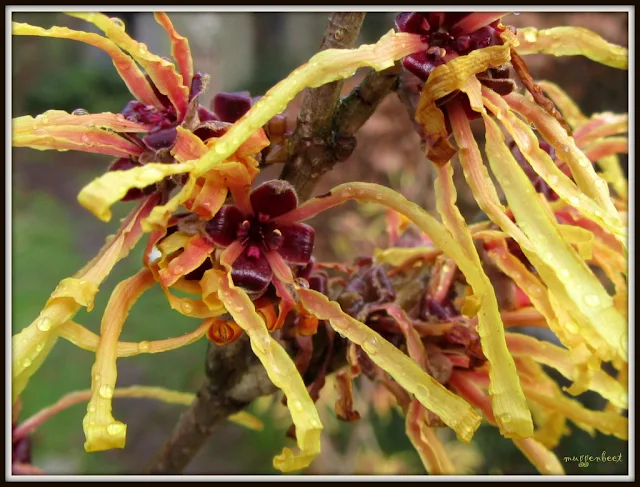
282	372
135	80
101	430
507	399
432	453
297	245
187	146
32	345
210	198
87	340
560	359
161	72
38	134
161	139
179	48
251	274
454	411
230	107
545	167
274	198
572	41
344	404
566	150
196	251
561	268
57	118
444	80
223	227
101	193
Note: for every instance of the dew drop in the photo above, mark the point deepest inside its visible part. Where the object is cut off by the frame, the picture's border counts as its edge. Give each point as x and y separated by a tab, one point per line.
97	377
106	392
239	308
85	139
26	362
600	183
422	393
144	346
564	273
44	324
220	148
297	406
506	418
178	270
39	347
553	180
115	429
119	23
371	346
187	308
574	201
404	45
592	300
91	409
584	162
79	111
572	327
153	174
565	148
301	282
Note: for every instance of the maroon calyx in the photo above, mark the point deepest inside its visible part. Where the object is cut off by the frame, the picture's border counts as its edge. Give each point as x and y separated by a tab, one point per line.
260	237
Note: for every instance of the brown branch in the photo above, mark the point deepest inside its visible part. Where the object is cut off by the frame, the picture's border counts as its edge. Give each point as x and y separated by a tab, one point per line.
313	140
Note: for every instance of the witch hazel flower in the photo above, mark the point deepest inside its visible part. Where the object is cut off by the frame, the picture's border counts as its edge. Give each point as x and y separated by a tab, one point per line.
257	248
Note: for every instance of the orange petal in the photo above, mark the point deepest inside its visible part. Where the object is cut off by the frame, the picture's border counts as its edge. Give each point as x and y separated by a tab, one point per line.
162	72
179	48
196	251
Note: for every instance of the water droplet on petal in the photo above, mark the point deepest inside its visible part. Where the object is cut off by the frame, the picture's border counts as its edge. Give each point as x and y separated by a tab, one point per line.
91	409
178	270
118	22
422	394
574	201
106	392
552	180
85	139
592	300
301	282
144	346
572	327
371	345
564	273
97	377
187	308
26	362
506	418
44	324
297	406
39	347
79	112
115	429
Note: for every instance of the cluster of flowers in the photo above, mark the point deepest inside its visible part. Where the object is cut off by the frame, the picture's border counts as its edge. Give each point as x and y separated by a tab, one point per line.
431	317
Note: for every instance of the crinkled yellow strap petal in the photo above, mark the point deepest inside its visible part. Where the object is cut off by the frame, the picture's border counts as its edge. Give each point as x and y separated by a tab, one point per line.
101	430
106	120
564	272
544	166
613	174
444	80
161	71
282	372
572	41
31	346
431	450
453	411
126	67
399	256
101	193
508	401
553	356
566	150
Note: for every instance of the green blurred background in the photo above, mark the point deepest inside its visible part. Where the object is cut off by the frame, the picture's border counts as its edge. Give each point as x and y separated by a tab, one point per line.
53	237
